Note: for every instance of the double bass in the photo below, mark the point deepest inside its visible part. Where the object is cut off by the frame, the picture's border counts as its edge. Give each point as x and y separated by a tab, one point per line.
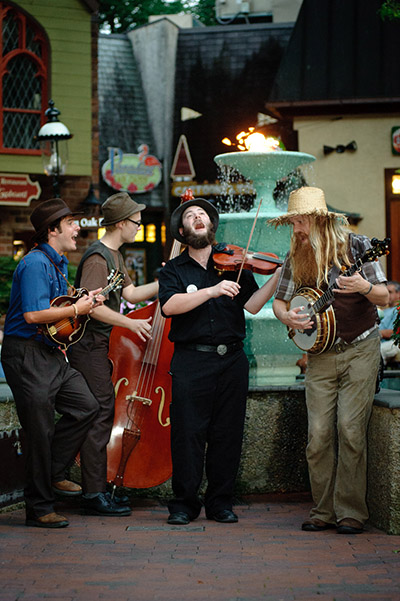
138	453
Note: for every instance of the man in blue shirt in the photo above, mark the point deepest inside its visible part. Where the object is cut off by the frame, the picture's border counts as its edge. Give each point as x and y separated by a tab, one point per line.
40	378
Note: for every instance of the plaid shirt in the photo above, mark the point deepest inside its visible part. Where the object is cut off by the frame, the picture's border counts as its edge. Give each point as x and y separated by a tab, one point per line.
371	271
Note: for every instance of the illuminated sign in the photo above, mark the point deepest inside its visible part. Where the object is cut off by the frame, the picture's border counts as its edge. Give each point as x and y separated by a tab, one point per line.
86	222
18	189
212	189
134	173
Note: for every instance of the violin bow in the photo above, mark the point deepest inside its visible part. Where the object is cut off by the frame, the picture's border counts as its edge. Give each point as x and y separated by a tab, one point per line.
248	242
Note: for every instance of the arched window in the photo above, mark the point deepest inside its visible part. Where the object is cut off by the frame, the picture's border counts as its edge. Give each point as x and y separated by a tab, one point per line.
24	55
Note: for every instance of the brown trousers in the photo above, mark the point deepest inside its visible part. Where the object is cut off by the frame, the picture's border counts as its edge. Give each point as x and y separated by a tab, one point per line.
90	357
42	382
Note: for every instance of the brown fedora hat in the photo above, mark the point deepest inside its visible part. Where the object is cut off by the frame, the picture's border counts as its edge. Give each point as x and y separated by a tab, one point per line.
176	217
49	211
118	207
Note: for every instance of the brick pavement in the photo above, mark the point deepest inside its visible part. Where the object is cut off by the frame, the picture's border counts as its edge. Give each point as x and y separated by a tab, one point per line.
141	558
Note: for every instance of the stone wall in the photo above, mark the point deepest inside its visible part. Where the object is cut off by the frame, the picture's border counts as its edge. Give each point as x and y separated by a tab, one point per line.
273	457
384	462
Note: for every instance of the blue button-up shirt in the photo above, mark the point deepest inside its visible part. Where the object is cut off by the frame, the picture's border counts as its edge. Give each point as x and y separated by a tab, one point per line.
36	282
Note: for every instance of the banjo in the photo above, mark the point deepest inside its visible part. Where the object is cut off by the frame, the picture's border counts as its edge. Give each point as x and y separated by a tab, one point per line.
318	304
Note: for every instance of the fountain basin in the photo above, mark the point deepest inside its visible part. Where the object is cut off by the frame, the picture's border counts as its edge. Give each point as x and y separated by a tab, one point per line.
264	169
272	356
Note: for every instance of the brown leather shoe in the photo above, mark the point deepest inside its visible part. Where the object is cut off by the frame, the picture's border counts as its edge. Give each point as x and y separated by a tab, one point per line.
67	488
315	525
349	526
50	520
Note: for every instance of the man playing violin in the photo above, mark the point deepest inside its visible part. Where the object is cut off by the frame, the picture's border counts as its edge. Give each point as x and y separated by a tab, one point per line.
209	367
340	381
90	354
40	378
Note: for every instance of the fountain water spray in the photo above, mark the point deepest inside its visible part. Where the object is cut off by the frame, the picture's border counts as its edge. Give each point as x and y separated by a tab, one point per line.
272	357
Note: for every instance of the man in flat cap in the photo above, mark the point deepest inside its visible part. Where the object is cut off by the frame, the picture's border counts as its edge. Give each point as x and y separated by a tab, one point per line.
90	354
40	378
342	363
209	367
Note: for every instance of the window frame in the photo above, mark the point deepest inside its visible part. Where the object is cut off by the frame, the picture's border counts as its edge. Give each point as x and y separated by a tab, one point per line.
42	64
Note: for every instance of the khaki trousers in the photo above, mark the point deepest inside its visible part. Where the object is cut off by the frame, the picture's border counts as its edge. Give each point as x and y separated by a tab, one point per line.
340	387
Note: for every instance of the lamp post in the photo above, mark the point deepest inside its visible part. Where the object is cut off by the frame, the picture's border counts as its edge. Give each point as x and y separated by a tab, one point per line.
52	138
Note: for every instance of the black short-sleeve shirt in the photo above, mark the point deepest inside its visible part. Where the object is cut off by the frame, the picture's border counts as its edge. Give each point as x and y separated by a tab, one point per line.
217	321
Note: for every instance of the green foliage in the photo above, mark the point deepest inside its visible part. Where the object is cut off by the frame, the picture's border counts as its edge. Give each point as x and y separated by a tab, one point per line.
204	11
390	10
7	267
118	16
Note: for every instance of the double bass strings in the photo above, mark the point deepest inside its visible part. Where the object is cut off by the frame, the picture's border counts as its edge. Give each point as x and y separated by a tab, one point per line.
145	382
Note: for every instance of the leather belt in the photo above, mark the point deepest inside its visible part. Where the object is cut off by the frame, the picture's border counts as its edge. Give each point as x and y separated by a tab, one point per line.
221	349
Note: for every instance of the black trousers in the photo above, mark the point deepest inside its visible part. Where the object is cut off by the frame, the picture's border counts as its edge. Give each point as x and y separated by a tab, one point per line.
42	382
207	418
90	357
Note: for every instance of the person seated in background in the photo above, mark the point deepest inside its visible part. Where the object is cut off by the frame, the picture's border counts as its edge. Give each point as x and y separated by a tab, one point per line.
388	347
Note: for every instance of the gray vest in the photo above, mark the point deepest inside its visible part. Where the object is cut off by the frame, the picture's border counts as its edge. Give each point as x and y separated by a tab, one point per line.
114	297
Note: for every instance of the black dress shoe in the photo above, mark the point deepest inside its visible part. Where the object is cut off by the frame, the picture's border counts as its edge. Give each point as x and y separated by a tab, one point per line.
315	525
103	505
225	516
119	500
179	518
349	526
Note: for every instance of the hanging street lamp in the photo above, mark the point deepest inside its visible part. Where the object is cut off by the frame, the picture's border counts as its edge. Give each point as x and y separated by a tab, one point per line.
52	138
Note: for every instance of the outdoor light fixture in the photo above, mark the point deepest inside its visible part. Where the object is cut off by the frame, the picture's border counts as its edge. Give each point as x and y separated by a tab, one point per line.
340	148
91	202
395	184
52	138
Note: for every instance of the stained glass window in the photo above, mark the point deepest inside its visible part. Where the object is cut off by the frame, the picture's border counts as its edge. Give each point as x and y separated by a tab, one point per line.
24	71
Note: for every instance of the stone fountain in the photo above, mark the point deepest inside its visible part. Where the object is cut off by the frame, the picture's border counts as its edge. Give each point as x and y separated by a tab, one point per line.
271	354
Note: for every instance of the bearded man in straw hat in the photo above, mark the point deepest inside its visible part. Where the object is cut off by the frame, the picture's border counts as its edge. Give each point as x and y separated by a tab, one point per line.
41	380
340	382
209	367
90	354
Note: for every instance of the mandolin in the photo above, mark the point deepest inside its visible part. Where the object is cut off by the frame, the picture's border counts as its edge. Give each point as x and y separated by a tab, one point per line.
69	330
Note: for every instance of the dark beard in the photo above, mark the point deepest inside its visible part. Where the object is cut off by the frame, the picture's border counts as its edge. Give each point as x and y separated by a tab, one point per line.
199	241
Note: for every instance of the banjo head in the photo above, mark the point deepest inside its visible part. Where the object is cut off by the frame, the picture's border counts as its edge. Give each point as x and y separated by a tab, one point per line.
321	336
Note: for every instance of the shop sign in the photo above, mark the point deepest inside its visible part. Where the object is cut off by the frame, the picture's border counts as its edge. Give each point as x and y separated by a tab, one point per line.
396	139
18	189
89	222
134	173
212	189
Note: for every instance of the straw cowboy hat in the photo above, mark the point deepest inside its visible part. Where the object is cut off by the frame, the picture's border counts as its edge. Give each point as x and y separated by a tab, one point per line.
176	217
118	207
307	201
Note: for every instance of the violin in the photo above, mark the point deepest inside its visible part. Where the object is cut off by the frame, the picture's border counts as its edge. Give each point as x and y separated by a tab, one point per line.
228	257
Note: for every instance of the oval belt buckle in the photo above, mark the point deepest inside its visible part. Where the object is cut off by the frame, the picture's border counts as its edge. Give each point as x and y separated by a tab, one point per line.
222	349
